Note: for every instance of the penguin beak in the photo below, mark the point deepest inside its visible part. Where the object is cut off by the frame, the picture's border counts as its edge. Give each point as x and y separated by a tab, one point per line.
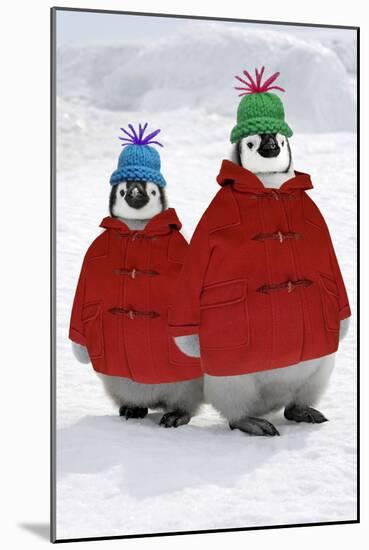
269	146
136	196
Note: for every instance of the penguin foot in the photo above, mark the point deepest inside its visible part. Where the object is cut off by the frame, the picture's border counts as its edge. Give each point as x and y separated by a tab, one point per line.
174	419
304	414
133	412
254	426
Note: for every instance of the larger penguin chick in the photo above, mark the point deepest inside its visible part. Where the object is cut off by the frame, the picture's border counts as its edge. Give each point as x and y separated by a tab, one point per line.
249	308
269	156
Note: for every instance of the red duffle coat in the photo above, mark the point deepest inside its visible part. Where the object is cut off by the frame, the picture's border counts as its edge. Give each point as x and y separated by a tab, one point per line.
120	309
261	283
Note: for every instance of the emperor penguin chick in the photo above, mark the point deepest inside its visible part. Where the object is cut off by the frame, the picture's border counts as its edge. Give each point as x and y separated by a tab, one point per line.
120	311
263	286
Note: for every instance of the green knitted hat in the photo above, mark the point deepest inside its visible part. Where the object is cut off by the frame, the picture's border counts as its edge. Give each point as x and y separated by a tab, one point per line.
259	112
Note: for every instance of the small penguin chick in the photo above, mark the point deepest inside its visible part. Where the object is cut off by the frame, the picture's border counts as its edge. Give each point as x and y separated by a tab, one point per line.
136	200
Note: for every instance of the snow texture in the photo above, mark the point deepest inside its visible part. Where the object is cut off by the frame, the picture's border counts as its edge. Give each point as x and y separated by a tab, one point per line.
131	76
117	477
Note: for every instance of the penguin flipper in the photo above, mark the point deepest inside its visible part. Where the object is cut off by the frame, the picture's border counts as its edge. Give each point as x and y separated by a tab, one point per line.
189	345
80	353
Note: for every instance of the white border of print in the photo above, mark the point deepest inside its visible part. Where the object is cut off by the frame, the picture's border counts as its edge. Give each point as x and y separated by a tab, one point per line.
25	253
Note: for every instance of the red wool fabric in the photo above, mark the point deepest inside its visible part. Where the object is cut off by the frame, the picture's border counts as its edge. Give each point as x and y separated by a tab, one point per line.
120	309
261	283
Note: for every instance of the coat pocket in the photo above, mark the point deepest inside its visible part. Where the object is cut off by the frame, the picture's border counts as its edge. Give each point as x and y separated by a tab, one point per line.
224	315
93	329
329	294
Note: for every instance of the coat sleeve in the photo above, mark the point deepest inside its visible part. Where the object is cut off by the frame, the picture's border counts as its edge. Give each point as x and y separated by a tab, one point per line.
313	213
178	247
184	317
344	306
76	326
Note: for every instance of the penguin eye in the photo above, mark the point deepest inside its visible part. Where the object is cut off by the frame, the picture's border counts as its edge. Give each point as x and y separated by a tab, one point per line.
122	192
153	192
250	145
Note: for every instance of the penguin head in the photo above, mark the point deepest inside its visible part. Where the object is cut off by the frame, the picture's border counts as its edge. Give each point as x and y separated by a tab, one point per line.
138	200
264	153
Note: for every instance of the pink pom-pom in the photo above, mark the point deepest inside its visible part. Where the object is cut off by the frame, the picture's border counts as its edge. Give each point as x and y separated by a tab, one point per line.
256	86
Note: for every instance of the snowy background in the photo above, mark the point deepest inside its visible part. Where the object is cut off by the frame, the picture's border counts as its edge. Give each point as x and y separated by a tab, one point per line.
116	477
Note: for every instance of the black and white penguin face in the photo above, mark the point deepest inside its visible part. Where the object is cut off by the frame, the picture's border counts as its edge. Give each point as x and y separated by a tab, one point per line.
265	153
136	200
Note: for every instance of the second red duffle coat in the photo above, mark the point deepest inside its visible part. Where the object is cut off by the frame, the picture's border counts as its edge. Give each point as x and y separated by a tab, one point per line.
261	284
120	309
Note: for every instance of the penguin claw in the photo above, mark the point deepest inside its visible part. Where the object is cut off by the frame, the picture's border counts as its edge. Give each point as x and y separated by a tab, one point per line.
174	419
304	414
133	412
254	426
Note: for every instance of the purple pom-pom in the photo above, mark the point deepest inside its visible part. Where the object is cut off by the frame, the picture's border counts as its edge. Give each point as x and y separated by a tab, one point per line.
138	138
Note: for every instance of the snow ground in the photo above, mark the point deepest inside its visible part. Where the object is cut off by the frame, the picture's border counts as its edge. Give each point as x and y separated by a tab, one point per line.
116	477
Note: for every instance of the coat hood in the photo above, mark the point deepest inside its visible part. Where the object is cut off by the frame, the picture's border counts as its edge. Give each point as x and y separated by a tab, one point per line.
158	225
245	181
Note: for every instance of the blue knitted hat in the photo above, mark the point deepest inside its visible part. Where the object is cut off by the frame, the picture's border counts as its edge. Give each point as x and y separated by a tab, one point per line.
138	161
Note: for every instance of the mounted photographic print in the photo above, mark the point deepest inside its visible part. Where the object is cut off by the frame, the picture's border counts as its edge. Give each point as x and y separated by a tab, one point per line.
204	274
